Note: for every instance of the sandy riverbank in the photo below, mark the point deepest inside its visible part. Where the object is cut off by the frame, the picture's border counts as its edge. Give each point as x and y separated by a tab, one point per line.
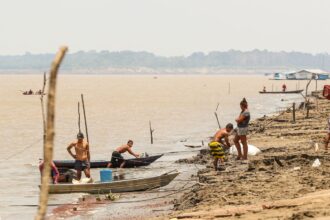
279	183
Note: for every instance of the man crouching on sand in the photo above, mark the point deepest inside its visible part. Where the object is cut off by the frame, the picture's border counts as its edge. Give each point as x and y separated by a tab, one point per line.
82	156
117	159
219	144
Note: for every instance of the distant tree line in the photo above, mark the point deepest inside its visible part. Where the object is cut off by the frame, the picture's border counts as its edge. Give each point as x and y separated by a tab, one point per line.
122	59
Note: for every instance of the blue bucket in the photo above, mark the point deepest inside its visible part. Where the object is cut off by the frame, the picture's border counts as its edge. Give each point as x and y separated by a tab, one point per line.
106	175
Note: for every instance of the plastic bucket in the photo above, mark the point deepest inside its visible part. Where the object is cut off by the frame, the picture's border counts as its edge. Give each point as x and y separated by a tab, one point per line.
106	175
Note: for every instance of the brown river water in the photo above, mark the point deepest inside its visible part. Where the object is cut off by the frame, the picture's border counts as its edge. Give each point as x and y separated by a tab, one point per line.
181	108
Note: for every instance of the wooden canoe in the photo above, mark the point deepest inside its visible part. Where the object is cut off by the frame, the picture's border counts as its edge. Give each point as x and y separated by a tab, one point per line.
130	163
281	92
130	185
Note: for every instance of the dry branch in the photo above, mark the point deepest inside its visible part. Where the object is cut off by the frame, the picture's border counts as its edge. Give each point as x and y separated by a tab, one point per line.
48	147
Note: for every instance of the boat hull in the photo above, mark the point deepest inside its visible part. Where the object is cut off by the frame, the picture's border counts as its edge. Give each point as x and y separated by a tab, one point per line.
130	163
281	92
116	186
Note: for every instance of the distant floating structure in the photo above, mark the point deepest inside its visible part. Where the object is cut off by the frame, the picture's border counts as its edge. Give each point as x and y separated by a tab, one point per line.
305	74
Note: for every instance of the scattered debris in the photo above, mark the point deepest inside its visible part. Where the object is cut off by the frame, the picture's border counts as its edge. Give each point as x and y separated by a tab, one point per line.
316	163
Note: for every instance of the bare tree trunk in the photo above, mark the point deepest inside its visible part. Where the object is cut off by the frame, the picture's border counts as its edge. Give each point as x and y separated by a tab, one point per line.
48	147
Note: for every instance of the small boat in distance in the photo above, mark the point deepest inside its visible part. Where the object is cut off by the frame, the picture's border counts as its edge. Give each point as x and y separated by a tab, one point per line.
30	92
132	185
281	92
130	163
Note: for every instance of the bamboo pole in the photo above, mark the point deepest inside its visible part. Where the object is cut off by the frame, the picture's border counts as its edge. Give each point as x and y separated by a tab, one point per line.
48	147
86	128
79	117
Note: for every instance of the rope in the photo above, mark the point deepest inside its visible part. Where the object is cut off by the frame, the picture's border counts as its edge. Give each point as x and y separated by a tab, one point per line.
25	148
127	201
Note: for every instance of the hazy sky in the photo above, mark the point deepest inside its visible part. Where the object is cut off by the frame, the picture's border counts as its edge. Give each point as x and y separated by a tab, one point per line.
164	27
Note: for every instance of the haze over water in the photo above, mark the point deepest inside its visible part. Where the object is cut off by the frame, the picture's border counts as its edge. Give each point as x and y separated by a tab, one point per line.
119	108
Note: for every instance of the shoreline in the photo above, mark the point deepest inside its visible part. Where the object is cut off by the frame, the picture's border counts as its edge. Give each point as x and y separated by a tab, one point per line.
217	191
279	183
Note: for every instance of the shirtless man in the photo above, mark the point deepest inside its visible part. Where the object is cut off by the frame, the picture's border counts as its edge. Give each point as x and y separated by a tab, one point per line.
222	135
217	145
117	159
82	155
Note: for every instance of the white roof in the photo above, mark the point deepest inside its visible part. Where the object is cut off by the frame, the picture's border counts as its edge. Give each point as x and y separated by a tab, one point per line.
316	71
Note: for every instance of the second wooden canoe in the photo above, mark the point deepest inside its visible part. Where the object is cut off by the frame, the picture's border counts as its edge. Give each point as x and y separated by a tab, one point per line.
131	185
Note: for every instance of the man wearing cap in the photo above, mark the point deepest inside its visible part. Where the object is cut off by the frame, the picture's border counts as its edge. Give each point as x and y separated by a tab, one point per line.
82	155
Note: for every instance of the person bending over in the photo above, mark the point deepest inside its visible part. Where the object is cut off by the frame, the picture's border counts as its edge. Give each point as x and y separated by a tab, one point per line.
117	159
219	144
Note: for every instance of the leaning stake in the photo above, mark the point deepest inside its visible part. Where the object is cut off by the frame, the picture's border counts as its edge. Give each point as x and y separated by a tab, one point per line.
83	105
48	146
79	117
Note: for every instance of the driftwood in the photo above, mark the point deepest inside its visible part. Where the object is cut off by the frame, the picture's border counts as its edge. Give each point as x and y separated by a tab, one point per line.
48	146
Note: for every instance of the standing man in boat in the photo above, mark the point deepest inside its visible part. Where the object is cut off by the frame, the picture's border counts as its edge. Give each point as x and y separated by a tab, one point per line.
219	144
82	156
117	159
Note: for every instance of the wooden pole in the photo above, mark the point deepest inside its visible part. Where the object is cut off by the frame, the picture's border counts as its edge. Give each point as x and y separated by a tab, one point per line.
79	117
216	116
216	109
309	82
229	88
315	84
307	109
48	147
294	112
83	105
43	109
151	133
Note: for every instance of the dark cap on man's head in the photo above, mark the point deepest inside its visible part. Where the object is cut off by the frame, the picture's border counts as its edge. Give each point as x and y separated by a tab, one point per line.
80	135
